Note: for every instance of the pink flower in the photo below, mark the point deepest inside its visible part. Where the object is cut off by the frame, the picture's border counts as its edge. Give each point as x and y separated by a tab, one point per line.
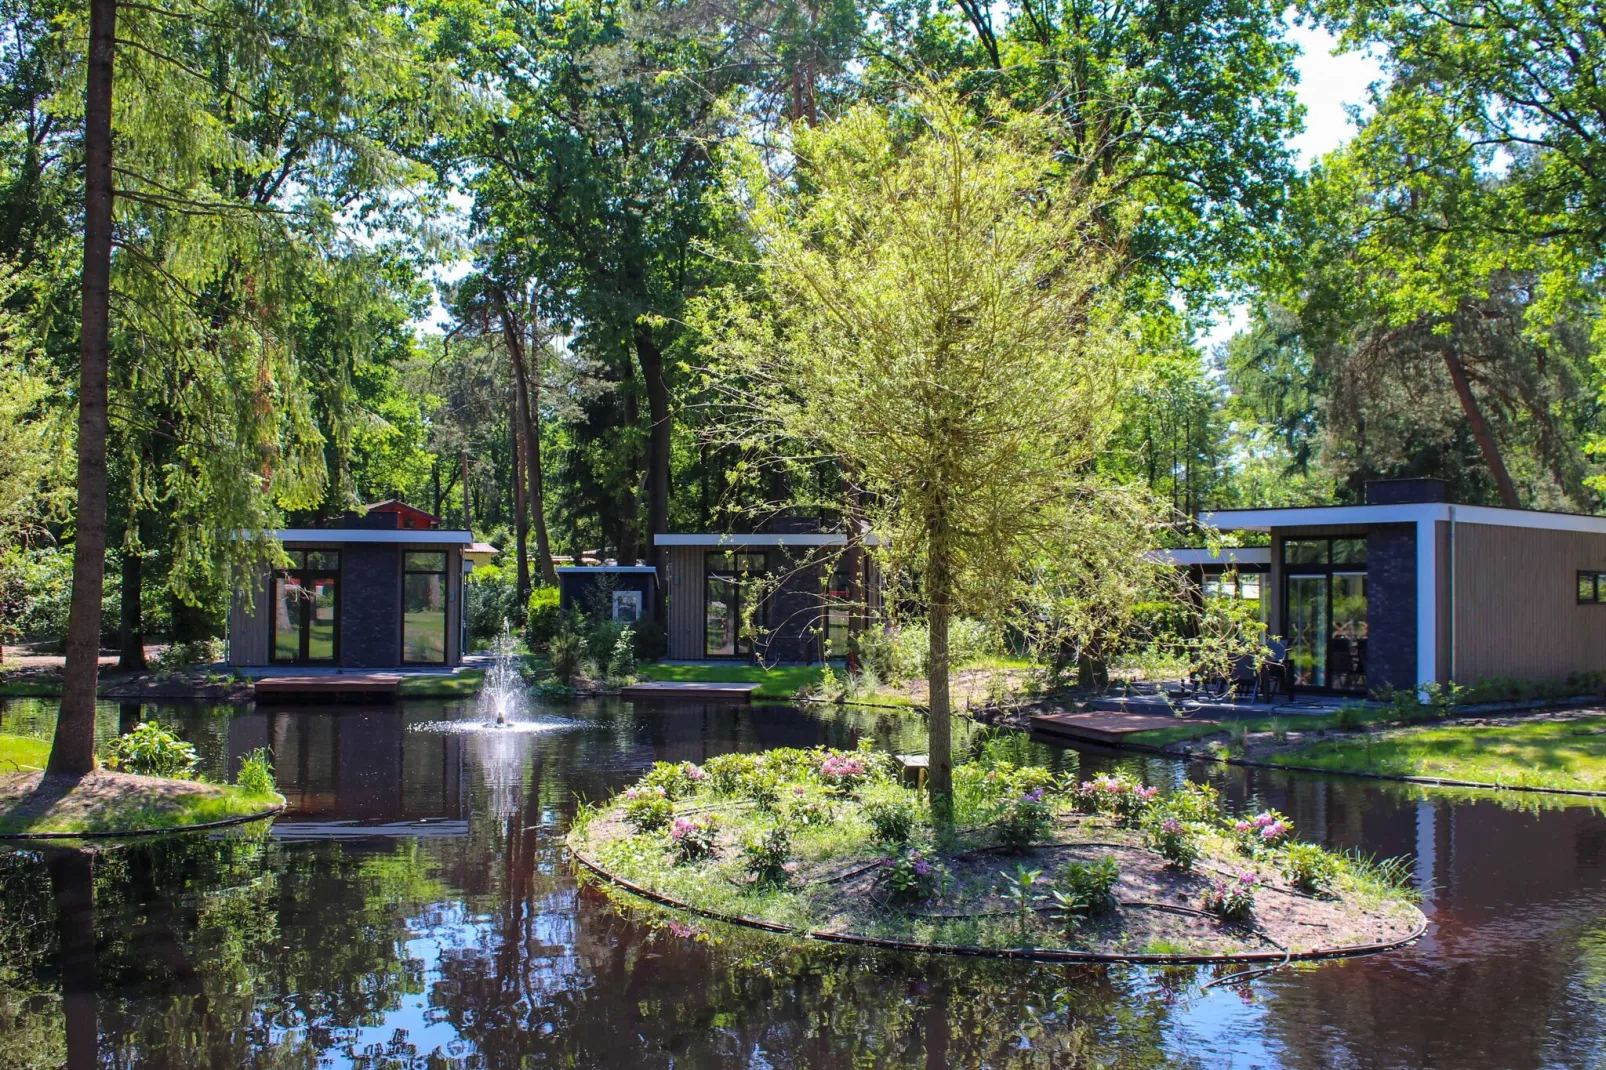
632	794
1242	826
1274	831
837	766
1146	794
1262	820
694	772
1171	826
681	827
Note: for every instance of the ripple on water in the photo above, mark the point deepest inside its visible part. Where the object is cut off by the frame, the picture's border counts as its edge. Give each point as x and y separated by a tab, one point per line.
466	727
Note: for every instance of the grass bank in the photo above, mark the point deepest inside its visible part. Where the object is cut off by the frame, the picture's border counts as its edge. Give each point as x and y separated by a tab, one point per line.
23	754
106	802
1352	717
1538	752
783	681
462	684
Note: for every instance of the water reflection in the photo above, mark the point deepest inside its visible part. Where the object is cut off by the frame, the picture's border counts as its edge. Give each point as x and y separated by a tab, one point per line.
414	907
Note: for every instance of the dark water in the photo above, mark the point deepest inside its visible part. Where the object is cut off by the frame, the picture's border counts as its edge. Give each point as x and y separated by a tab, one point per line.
415	908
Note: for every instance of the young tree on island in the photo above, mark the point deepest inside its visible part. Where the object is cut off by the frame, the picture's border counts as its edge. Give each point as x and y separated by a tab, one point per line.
938	314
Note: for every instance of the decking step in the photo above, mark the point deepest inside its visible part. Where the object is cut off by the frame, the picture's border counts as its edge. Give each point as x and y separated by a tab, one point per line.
676	690
1106	726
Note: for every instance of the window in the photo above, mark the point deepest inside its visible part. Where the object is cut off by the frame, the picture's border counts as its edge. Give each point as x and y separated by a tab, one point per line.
1305	551
424	607
305	603
627	606
1591	588
727	586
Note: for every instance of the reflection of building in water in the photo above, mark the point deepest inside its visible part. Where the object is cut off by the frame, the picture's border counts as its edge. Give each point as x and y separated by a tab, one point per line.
356	764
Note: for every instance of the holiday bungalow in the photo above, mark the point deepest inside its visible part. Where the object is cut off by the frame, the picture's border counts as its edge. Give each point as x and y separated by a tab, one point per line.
776	596
1411	588
382	591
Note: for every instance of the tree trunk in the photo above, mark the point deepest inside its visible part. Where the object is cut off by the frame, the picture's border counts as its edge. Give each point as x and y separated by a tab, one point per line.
521	518
73	749
525	409
939	729
131	630
1480	430
652	371
468	515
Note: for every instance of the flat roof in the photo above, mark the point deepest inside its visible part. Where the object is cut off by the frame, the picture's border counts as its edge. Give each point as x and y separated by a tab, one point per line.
416	536
1341	515
801	538
570	569
1203	555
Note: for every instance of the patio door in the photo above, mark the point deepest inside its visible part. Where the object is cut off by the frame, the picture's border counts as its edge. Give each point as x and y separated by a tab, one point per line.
1325	612
727	588
306	610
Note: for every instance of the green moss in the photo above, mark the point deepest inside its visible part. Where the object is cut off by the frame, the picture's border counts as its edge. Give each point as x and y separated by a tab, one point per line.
23	753
779	682
1542	753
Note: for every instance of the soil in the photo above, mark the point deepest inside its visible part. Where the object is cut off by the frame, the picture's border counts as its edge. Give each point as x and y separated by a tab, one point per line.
1158	906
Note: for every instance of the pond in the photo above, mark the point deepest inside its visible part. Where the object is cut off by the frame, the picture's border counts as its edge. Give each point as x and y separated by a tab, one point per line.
414	907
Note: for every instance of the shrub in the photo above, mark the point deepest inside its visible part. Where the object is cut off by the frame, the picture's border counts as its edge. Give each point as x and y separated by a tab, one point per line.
1020	889
1350	716
1232	897
602	639
490	600
1120	796
762	787
1090	883
844	773
1198	803
1024	820
892	815
693	838
652	642
1308	867
187	655
148	749
727	771
542	616
566	648
912	875
1174	839
647	809
677	779
256	773
802	811
766	856
622	658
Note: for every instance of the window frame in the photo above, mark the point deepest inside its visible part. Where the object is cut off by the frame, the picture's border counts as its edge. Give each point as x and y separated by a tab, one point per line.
1599	578
305	576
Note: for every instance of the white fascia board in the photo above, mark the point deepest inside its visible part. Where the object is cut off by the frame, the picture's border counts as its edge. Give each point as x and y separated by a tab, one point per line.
1199	555
564	570
391	536
1325	516
713	539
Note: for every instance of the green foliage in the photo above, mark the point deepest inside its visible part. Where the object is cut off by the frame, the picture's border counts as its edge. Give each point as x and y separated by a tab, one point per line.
488	600
892	812
1308	867
567	649
647	808
541	617
1023	820
1232	898
676	780
178	656
912	875
148	749
256	773
1020	889
694	839
1091	884
1176	840
622	656
766	856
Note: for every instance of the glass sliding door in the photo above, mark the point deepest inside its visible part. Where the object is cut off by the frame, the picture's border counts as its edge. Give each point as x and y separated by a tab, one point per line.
1326	611
727	586
1307	629
306	609
424	607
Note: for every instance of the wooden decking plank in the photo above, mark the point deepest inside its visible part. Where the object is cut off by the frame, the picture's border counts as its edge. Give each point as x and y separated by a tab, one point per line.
684	689
1106	726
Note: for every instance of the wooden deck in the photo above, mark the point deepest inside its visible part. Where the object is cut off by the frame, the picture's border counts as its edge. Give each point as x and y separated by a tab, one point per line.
331	687
1105	726
677	690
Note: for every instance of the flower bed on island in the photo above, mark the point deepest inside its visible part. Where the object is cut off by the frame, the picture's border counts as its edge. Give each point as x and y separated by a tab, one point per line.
829	844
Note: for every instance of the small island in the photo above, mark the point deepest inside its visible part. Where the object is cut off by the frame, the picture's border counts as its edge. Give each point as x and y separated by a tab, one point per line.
829	844
152	790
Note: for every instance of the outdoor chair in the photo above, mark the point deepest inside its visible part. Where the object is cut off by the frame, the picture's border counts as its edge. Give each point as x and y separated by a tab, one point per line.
1275	672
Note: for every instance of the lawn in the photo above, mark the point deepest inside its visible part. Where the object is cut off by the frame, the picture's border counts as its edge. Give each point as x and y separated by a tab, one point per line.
1540	753
1186	730
22	753
462	684
780	682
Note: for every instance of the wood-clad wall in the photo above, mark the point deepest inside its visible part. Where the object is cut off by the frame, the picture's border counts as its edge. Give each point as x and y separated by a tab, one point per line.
250	629
1516	602
683	589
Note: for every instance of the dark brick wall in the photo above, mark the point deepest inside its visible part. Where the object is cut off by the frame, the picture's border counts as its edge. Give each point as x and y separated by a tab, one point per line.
370	607
1391	606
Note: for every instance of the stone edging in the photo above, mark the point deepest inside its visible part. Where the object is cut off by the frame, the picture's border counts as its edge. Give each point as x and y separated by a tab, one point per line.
1020	953
133	833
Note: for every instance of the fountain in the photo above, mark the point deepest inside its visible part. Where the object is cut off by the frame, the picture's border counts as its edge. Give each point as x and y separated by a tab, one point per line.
502	702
